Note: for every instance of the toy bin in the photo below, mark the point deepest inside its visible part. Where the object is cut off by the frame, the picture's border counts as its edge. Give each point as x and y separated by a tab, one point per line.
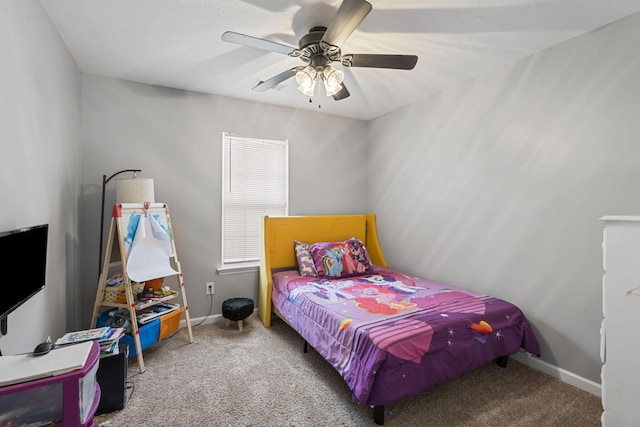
149	333
169	323
115	293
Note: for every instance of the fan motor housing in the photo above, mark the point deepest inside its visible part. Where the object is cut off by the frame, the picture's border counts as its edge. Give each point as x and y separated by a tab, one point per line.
312	52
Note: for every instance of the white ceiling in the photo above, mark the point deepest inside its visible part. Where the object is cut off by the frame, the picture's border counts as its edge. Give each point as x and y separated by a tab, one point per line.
176	43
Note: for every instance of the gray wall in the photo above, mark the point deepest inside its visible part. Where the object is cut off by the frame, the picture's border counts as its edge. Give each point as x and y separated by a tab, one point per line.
175	137
39	163
498	186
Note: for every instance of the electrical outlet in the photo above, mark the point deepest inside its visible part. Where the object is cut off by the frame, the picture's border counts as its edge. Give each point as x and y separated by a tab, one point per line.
210	288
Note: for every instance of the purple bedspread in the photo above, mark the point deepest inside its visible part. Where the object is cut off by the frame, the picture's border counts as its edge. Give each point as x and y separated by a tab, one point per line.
391	335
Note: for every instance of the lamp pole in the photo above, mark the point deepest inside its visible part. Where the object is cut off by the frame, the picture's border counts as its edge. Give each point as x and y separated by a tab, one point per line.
105	180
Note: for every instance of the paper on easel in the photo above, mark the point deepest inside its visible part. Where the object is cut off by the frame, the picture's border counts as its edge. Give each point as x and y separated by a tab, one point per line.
149	256
25	367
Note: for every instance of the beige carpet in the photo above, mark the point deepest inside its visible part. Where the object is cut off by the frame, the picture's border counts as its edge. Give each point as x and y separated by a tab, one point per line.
261	377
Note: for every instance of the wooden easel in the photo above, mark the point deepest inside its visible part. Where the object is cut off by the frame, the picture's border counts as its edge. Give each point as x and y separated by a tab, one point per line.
116	256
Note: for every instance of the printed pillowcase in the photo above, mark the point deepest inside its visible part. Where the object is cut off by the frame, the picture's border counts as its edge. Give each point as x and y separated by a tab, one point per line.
305	260
341	259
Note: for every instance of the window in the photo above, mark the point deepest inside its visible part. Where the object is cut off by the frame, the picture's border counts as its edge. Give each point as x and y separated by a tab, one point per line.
255	182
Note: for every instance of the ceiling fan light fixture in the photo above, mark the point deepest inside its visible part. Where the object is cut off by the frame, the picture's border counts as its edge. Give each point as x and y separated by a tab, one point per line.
332	79
320	47
306	79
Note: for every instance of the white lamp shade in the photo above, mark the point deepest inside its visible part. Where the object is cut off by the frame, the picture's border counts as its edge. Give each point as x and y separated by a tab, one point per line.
332	80
134	190
306	79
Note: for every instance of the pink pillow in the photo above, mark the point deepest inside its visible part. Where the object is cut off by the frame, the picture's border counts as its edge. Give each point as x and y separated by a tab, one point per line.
341	259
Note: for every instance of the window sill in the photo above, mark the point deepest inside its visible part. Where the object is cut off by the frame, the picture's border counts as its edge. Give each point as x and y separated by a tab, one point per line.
249	267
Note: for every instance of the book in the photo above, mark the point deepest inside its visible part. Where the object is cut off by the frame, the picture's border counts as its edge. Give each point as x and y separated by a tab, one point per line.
107	343
86	335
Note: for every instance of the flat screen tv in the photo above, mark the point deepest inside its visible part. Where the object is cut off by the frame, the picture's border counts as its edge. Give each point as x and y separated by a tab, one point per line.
23	263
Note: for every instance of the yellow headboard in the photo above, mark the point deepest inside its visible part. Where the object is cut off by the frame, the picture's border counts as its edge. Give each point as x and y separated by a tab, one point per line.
279	233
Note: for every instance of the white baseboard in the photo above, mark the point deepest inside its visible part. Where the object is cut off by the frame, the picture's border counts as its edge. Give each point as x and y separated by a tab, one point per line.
559	373
214	318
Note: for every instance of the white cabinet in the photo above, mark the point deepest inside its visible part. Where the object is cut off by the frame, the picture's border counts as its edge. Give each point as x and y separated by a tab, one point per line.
620	332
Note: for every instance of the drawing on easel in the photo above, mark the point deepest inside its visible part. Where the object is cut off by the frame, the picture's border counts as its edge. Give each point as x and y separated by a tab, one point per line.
147	242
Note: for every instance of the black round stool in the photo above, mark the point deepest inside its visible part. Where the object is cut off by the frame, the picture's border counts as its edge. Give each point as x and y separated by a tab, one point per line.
237	309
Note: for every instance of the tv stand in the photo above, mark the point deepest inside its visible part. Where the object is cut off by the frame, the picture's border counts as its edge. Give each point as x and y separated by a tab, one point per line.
71	398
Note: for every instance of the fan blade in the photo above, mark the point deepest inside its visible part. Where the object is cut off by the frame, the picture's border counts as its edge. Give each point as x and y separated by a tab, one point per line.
262	86
397	62
349	15
341	94
245	40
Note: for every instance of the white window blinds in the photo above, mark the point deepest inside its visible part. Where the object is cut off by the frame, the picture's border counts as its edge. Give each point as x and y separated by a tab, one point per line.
255	183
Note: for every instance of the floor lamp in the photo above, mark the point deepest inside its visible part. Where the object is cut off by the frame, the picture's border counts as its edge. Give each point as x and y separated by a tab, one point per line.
105	180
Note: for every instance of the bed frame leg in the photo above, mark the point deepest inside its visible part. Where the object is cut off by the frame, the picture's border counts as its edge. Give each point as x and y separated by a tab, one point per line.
378	414
502	361
304	350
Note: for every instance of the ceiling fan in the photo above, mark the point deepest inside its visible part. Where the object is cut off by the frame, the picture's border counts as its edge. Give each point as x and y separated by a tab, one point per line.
319	48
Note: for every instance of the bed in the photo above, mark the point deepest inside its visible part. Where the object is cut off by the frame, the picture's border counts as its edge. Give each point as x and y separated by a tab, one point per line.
389	334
